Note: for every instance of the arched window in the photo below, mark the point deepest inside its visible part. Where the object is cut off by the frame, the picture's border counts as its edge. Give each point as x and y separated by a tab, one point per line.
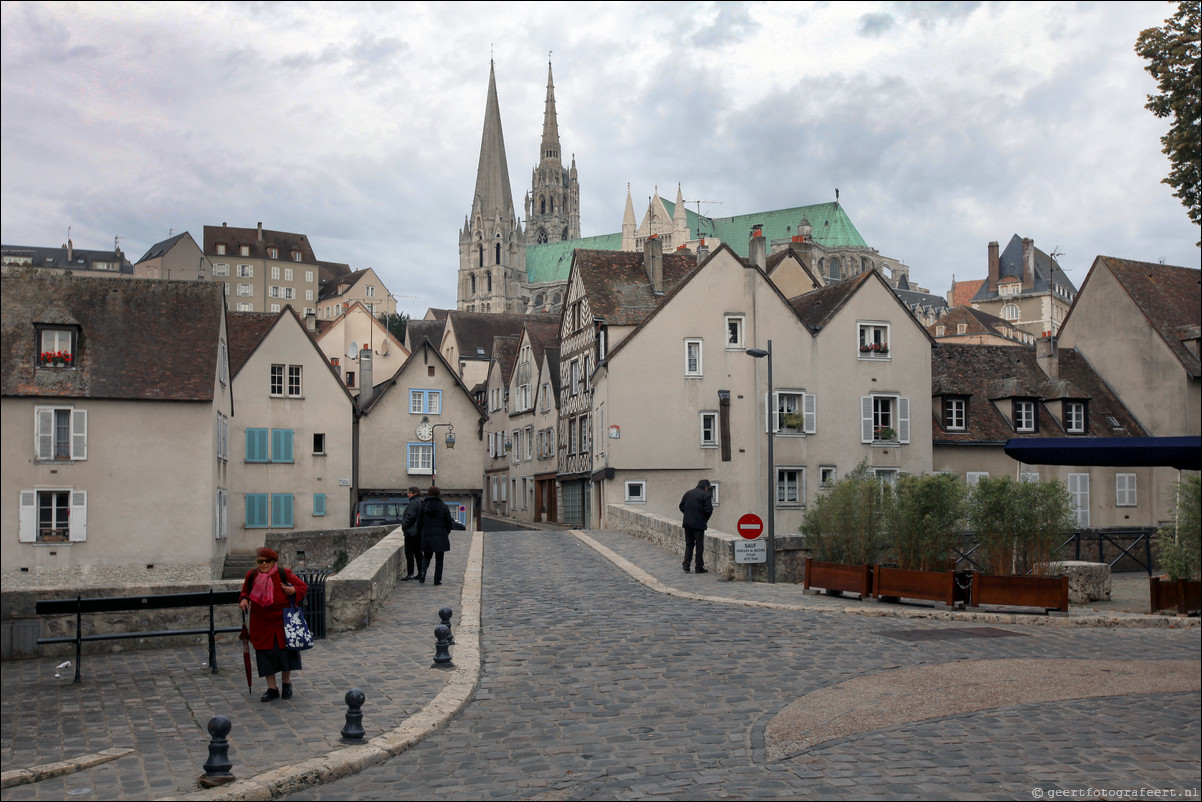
480	256
473	285
542	235
498	253
489	274
1010	312
865	265
542	204
552	204
836	268
565	234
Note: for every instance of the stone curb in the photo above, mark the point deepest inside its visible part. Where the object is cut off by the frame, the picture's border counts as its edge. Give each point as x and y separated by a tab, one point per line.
1099	620
57	769
434	716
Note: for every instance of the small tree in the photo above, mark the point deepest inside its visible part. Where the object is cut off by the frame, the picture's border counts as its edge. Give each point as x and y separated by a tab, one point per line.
395	322
845	523
1019	524
923	516
1179	542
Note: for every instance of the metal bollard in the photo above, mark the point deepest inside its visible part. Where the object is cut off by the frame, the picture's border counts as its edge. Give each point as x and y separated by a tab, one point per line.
217	768
445	616
352	732
442	649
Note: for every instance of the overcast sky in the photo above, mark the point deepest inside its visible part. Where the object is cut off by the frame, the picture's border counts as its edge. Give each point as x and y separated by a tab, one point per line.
944	125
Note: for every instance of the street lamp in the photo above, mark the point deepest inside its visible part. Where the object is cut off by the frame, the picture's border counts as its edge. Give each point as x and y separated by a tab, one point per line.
450	441
759	353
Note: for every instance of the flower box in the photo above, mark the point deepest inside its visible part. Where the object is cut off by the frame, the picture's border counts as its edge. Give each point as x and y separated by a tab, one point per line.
1183	595
1048	592
948	587
839	577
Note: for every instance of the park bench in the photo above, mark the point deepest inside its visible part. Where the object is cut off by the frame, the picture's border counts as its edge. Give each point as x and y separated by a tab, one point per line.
115	604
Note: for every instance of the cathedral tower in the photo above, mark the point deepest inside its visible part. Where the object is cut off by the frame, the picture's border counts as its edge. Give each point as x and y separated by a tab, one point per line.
553	203
492	247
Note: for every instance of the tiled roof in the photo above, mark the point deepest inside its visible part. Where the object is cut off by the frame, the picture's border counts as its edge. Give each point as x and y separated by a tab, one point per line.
418	330
505	351
816	308
233	238
245	331
474	331
1169	297
542	337
617	285
964	291
975	322
146	340
989	373
330	288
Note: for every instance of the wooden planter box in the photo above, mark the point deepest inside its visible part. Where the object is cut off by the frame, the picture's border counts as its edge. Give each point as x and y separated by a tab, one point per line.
1183	595
839	576
1048	592
948	587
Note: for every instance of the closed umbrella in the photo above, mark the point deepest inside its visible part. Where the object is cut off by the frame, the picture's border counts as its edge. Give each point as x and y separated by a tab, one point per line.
244	636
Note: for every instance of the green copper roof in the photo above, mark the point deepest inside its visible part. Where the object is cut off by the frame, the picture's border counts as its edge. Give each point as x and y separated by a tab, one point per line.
831	226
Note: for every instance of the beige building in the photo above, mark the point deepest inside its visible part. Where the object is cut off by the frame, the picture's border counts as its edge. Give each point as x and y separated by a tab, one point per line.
177	257
115	408
985	395
263	270
403	436
1025	287
291	435
968	326
363	287
467	339
344	341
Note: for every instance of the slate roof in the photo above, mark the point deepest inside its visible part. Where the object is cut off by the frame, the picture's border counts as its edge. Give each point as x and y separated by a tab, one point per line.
921	300
505	351
989	373
1010	266
1169	297
234	238
418	330
976	322
161	248
56	258
329	289
144	340
816	308
617	285
474	331
542	337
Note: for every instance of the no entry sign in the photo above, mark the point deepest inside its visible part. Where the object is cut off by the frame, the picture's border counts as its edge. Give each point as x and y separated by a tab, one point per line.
751	526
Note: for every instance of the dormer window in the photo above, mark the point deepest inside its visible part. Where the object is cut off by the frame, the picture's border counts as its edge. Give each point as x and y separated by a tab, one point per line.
244	250
1074	417
55	347
296	255
955	414
1024	416
273	253
221	249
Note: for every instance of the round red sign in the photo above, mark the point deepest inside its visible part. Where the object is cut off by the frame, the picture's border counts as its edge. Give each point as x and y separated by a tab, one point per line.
751	526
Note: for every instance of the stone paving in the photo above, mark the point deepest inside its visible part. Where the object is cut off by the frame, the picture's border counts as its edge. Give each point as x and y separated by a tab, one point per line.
597	687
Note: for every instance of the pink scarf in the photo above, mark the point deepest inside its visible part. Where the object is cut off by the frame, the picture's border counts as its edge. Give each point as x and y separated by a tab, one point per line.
263	593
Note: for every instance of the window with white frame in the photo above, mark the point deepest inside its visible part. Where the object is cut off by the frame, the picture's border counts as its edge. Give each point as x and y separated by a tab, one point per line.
277	380
1078	489
790	486
246	271
692	358
827	475
1074	417
523	399
1024	415
244	250
636	491
940	331
734	332
370	291
275	307
223	437
308	276
575	377
1124	490
273	291
1028	476
585	434
972	477
246	307
421	458
221	249
53	515
955	414
874	340
221	269
288	274
884	419
709	429
961	328
319	443
294	381
715	493
529	450
1010	312
246	290
221	520
425	402
573	434
886	476
795	412
290	294
545	393
516	452
56	347
60	433
275	271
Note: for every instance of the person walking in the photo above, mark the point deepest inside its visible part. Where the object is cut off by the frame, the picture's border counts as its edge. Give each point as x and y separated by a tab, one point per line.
434	527
266	591
697	506
413	539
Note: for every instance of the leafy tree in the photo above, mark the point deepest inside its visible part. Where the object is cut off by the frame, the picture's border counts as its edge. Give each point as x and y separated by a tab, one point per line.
1019	524
395	322
1179	543
923	517
1174	57
845	524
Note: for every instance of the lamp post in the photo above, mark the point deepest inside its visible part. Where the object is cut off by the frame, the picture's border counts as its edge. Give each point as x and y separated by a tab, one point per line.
450	441
759	353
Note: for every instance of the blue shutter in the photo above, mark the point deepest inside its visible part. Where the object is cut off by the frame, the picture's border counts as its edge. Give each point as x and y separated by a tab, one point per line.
256	445
281	509
256	510
319	503
281	445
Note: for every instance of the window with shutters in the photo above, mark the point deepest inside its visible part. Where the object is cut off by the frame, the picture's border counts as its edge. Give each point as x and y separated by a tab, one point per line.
884	419
794	412
1078	489
269	445
53	515
1124	490
60	434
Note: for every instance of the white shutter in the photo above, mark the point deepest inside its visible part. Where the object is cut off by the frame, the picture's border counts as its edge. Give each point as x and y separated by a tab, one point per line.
865	419
28	530
44	433
903	420
772	412
809	403
79	434
78	527
1078	486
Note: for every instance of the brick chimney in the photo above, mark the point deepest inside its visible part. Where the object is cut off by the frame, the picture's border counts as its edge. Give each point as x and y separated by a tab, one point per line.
757	248
994	266
1028	264
1045	353
653	263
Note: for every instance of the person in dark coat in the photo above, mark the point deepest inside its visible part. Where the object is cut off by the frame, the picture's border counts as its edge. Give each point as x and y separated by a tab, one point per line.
413	540
697	507
267	590
434	526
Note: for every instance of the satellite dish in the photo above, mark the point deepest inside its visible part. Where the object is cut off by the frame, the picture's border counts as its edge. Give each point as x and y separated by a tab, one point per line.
384	347
352	351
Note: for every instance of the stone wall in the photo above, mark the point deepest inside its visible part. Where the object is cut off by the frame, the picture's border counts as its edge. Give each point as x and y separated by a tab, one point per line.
327	549
356	592
668	534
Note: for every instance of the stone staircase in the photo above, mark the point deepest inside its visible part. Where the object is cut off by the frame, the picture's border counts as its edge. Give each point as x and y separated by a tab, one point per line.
236	565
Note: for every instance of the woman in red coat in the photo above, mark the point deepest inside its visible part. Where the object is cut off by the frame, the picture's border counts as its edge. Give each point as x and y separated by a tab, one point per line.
268	589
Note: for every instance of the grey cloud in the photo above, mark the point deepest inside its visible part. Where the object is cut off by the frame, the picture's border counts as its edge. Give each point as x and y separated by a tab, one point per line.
876	24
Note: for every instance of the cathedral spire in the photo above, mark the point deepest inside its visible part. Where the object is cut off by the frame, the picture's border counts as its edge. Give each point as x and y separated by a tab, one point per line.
550	122
492	174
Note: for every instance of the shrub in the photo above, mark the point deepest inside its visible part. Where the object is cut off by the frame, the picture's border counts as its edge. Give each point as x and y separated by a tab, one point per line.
1019	524
923	516
845	523
1179	542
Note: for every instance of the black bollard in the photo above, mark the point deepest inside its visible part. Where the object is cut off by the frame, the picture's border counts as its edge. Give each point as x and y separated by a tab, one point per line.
442	649
353	733
445	616
217	769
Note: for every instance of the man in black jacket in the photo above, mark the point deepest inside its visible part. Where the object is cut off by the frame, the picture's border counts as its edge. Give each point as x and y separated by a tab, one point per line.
697	507
413	538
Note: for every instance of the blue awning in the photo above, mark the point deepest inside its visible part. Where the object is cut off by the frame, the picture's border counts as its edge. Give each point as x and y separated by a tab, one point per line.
1183	453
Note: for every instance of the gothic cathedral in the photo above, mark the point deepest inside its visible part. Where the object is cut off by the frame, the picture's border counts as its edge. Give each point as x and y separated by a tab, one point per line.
492	243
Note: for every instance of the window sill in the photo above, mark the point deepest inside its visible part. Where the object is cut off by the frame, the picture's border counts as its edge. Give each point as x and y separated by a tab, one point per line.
886	443
871	358
49	544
